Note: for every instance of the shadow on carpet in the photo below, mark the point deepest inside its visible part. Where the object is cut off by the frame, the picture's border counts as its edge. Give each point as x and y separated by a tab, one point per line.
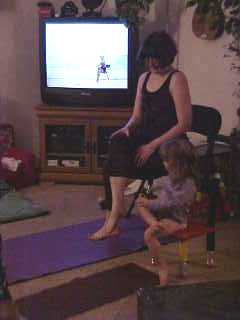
36	255
81	295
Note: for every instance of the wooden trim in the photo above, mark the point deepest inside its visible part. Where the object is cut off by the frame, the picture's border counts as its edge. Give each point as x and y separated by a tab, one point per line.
63	177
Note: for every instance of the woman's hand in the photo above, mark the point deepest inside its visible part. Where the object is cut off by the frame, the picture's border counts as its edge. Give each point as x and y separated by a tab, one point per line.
123	131
142	201
143	154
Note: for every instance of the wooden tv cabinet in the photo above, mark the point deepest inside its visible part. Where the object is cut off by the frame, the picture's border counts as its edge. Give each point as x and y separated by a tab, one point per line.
74	141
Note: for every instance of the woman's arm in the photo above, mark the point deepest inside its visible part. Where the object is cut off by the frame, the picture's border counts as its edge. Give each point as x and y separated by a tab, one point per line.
136	116
181	96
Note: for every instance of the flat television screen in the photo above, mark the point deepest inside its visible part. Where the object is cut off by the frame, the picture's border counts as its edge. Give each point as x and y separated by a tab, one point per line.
87	62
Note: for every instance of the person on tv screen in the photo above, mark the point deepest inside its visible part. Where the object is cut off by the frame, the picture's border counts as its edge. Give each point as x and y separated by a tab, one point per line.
102	68
162	111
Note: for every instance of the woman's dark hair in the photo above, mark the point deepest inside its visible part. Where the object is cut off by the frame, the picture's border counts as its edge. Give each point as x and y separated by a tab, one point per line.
158	45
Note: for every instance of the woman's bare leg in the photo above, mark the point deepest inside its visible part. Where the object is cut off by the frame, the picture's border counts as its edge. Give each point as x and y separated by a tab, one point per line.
118	185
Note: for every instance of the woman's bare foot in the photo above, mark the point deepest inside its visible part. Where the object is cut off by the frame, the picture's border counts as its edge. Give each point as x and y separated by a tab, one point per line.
123	214
163	277
102	233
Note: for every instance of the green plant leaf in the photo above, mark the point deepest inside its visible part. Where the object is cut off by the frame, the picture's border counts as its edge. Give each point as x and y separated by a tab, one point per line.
191	3
228	3
228	25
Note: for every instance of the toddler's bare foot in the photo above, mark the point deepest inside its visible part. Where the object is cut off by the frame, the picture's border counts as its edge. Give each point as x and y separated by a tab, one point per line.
102	233
211	260
154	261
163	277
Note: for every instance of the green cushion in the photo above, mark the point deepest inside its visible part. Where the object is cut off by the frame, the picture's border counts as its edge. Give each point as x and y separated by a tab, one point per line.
4	188
13	207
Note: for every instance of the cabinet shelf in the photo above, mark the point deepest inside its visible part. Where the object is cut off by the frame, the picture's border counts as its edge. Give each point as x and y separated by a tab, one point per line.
102	156
65	155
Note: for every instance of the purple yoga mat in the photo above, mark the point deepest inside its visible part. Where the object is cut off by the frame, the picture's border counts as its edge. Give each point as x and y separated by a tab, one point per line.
53	251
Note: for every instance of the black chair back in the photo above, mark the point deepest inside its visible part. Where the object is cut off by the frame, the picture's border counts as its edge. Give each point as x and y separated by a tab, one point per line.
206	121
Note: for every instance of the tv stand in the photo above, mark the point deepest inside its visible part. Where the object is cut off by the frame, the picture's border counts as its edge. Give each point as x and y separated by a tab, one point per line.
74	141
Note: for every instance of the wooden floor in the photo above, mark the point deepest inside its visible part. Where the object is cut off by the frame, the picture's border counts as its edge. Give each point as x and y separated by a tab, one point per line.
73	204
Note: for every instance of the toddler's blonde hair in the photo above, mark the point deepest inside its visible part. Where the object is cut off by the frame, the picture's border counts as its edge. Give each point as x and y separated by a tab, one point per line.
180	155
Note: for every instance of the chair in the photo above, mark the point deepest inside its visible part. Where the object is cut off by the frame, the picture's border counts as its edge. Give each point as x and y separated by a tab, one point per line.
25	173
207	122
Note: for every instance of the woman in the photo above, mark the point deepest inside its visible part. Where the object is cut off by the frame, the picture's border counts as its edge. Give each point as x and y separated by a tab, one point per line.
162	111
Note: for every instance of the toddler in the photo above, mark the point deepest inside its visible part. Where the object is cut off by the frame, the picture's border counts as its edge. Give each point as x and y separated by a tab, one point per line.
167	213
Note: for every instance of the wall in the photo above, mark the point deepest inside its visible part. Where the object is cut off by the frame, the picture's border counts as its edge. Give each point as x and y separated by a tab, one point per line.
210	79
19	84
19	67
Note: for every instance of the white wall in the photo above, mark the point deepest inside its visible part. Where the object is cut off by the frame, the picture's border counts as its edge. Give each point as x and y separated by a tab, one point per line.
19	66
210	79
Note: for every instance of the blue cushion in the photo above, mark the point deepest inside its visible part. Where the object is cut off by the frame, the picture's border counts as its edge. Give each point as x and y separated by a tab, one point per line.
13	206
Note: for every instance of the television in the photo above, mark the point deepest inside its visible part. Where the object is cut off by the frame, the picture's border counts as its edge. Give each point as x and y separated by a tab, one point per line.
87	62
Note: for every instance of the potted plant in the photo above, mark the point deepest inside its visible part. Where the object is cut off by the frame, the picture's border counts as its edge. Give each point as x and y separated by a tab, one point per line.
231	12
133	10
208	18
232	27
205	6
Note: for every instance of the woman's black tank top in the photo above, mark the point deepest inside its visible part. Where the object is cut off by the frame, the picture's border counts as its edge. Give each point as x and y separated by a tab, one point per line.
159	113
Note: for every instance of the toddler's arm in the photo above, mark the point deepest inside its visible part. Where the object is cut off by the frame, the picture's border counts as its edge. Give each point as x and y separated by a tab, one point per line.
172	198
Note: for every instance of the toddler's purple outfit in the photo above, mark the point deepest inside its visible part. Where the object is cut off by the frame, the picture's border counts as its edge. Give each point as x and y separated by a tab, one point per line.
173	200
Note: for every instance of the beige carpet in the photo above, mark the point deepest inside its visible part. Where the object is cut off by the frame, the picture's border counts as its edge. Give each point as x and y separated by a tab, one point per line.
73	204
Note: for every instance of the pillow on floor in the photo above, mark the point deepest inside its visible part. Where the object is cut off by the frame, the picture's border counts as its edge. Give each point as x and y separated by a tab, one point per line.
4	188
13	207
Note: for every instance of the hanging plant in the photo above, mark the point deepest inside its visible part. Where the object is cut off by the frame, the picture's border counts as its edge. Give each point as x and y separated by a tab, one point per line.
205	6
231	12
134	11
232	27
208	19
